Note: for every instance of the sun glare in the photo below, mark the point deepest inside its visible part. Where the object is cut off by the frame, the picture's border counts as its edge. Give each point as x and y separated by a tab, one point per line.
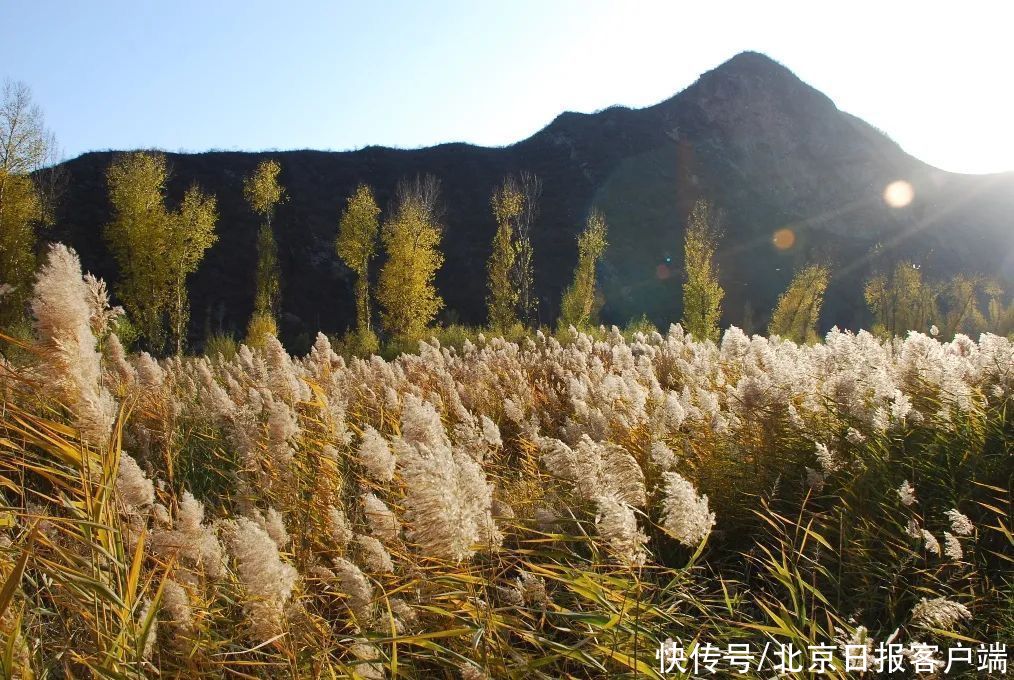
784	238
898	194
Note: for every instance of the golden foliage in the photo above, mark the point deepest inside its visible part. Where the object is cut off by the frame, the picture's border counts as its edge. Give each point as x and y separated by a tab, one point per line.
962	313
411	239
503	296
155	248
702	294
26	146
902	301
578	306
798	310
260	327
193	233
20	210
262	189
263	192
357	244
268	292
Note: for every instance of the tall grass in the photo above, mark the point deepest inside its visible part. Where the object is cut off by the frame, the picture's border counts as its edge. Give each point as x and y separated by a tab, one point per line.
528	509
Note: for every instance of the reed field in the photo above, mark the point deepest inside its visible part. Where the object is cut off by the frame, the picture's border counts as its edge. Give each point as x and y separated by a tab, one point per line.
550	506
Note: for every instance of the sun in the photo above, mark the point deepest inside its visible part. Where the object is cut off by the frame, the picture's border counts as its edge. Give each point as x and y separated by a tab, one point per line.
898	193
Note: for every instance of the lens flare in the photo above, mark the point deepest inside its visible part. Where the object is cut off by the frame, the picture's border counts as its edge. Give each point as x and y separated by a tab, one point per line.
784	238
898	194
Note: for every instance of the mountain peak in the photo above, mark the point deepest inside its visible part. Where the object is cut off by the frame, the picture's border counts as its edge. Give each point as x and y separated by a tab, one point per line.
751	60
756	68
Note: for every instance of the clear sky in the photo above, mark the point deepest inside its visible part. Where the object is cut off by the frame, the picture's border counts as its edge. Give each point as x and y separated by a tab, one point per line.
207	74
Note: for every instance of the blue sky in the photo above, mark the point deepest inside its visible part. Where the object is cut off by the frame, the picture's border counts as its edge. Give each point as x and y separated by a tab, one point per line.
189	75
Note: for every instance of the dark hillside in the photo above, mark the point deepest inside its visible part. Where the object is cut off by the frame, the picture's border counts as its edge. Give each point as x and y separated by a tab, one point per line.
768	149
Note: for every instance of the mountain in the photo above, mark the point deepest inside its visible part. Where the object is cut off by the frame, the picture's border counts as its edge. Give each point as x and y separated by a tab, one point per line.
770	151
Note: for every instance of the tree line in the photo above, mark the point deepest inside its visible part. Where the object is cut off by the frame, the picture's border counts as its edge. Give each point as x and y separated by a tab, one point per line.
157	245
409	235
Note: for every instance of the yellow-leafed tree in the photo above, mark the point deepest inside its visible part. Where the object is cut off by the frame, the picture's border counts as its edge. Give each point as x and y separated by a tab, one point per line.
192	232
702	294
961	299
510	297
356	245
798	310
19	213
523	276
263	193
137	235
1000	314
26	146
902	302
155	248
411	237
578	306
502	295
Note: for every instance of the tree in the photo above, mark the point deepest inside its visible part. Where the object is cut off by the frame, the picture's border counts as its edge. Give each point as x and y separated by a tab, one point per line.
1000	319
26	147
263	193
411	238
155	248
960	299
522	275
137	235
268	292
356	245
578	307
902	301
192	231
702	294
510	294
268	289
262	190
503	296
798	310
19	213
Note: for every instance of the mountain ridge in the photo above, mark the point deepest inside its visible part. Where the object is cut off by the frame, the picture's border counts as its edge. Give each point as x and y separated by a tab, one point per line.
770	150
